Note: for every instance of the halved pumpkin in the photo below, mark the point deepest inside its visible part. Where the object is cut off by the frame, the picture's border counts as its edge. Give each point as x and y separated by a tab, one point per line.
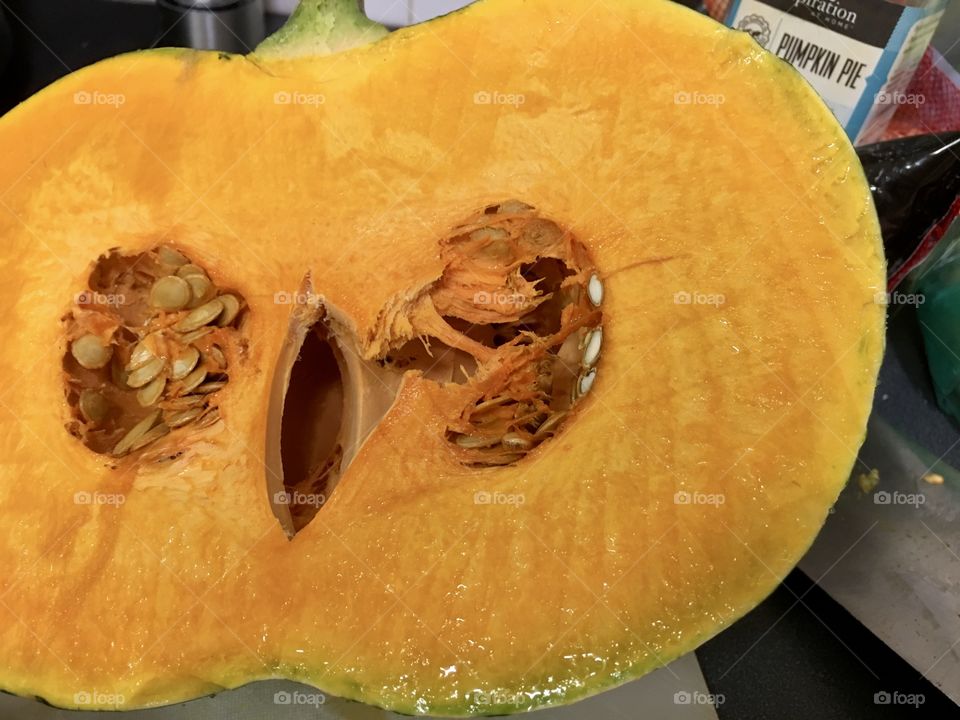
583	300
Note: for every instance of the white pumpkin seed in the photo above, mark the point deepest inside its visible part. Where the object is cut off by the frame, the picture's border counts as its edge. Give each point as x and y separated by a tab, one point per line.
200	316
134	434
193	380
151	392
586	382
209	419
90	352
515	441
201	289
190	269
595	290
152	435
184	363
207	388
169	256
146	372
470	442
142	353
549	426
183	417
231	306
170	293
592	351
93	406
216	354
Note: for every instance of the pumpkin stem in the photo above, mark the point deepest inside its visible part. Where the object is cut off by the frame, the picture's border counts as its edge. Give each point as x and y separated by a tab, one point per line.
321	27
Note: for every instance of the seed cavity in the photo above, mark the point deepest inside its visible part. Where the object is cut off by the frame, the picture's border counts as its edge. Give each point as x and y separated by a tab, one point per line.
517	310
146	344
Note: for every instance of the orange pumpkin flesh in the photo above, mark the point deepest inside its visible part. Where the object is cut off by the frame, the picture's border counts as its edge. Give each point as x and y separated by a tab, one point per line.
406	589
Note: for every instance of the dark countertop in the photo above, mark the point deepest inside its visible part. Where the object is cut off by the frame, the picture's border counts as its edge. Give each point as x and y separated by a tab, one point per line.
798	654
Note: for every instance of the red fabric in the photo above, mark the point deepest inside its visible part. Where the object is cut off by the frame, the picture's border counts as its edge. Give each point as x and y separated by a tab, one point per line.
935	81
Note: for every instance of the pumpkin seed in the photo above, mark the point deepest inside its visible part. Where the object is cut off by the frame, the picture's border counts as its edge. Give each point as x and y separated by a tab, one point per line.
169	256
192	337
135	433
592	351
90	352
470	442
152	435
93	406
190	269
586	382
210	418
146	372
514	206
515	441
183	417
151	392
231	306
193	380
201	289
142	353
200	316
185	402
216	354
184	363
207	388
595	290
170	293
549	425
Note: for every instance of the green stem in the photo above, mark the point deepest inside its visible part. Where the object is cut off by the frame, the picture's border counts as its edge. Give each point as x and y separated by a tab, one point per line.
321	27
